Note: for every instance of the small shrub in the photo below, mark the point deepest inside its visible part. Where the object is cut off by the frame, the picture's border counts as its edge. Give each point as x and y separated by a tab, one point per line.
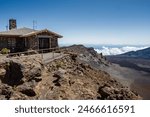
59	64
5	51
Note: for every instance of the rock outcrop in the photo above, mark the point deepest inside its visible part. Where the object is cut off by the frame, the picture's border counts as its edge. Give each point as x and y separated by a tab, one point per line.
74	76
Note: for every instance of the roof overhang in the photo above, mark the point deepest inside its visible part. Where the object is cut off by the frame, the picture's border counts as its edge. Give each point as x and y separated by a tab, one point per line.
6	35
11	33
42	31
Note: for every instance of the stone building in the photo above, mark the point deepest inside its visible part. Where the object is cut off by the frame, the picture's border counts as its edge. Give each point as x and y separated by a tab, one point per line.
23	39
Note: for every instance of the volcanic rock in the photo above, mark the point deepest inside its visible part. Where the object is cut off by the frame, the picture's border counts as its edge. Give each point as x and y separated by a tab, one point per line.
76	75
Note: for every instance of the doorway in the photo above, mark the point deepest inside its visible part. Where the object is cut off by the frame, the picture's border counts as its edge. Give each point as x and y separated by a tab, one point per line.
43	43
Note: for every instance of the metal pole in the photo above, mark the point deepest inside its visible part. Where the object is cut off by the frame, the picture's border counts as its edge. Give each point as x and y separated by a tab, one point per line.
53	54
42	54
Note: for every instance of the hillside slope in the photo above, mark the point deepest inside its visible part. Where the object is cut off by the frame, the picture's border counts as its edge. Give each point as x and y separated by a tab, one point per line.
134	68
74	76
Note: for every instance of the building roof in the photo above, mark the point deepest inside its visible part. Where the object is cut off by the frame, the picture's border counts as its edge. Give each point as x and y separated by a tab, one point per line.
25	32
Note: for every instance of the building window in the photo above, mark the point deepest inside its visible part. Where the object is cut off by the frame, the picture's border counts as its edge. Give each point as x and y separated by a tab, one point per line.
11	42
3	43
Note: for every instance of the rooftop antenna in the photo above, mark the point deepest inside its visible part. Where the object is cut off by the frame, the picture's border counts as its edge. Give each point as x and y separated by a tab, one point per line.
6	27
34	24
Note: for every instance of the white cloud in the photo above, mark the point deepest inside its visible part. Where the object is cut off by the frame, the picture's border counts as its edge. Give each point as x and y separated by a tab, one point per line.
117	50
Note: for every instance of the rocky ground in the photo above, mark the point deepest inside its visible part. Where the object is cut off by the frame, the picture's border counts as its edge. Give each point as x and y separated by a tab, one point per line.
74	76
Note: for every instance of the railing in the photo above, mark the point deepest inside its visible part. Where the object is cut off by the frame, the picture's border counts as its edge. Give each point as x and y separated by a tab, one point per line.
31	52
46	55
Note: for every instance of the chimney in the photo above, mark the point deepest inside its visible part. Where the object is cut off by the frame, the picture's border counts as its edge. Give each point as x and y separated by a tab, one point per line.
12	24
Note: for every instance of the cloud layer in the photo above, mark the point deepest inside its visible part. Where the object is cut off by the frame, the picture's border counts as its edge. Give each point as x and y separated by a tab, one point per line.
117	50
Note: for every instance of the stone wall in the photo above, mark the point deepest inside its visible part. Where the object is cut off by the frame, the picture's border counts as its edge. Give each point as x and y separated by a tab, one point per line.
33	43
54	42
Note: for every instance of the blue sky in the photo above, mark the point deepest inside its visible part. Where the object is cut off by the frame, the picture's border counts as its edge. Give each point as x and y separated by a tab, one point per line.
84	21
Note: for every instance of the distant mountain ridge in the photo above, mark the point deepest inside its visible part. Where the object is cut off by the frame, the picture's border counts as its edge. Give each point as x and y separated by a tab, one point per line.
144	53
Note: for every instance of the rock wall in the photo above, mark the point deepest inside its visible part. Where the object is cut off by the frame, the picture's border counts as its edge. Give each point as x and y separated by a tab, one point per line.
19	76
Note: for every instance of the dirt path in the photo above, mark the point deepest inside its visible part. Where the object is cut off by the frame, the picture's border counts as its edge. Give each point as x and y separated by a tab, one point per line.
43	88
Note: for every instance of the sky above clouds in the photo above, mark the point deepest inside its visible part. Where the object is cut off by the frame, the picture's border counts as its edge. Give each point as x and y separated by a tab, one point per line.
84	21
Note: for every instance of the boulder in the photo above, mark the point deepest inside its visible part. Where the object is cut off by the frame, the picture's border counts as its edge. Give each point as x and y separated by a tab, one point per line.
14	73
17	71
34	72
5	91
60	73
2	72
105	92
26	89
37	79
18	96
